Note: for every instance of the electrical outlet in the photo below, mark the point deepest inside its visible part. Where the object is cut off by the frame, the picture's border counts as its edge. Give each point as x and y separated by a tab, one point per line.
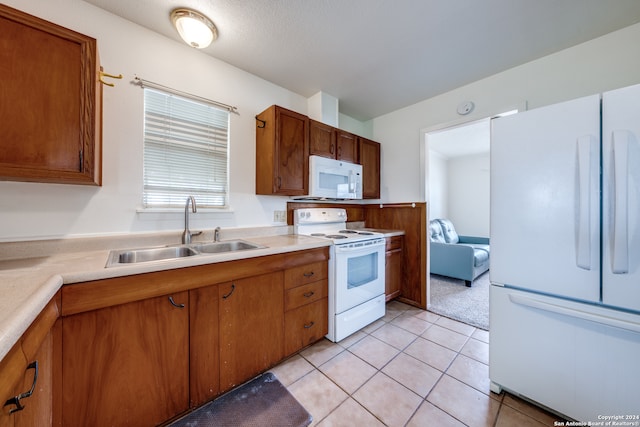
279	216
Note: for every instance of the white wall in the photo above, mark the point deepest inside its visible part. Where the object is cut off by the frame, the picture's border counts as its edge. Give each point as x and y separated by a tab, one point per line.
609	62
32	210
468	201
438	185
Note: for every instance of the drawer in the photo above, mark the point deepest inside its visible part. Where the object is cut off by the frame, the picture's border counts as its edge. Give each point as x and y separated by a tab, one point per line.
305	325
305	274
305	294
394	242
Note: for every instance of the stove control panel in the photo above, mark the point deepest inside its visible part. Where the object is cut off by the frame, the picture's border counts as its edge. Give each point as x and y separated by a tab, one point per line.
320	215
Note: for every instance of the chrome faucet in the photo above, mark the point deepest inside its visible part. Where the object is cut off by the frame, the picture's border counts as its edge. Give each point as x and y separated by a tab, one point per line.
216	234
186	234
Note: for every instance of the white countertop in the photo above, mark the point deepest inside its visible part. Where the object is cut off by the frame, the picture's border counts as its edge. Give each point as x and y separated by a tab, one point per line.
27	284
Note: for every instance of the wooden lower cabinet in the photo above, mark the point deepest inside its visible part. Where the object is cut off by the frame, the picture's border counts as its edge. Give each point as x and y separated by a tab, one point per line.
306	306
251	327
204	345
37	408
126	365
35	350
132	357
305	325
393	267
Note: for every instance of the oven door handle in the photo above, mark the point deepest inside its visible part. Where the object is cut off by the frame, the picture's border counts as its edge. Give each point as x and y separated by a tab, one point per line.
351	248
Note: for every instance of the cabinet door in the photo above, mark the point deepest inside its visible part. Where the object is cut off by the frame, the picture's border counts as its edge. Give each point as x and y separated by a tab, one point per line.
393	268
347	146
322	140
12	369
292	153
369	157
282	152
126	365
251	327
204	345
36	408
51	111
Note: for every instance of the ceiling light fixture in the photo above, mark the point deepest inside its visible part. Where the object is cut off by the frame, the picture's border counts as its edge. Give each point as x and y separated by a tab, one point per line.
195	29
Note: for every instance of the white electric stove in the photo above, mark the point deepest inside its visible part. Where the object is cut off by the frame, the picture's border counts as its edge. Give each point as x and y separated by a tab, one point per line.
356	269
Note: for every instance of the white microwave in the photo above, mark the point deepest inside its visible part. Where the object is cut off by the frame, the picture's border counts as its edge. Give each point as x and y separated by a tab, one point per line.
334	179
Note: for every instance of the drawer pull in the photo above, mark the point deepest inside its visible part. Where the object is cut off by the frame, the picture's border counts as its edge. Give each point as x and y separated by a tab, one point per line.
175	304
309	294
308	325
16	399
307	275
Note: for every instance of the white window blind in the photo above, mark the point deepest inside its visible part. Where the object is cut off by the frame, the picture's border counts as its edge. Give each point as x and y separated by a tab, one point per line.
185	151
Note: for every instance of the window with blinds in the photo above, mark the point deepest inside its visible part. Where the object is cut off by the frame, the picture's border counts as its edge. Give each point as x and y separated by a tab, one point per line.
185	151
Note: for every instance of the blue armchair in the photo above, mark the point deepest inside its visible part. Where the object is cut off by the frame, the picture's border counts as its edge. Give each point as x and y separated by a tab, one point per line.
460	257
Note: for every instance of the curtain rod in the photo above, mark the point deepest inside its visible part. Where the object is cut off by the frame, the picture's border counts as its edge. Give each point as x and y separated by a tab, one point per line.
147	83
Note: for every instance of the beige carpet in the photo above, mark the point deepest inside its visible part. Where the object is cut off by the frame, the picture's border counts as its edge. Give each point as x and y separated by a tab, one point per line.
451	298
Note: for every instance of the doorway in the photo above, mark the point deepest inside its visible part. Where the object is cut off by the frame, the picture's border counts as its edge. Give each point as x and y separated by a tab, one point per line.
461	150
458	180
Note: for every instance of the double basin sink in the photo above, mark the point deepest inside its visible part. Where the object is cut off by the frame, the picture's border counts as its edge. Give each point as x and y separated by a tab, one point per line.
133	256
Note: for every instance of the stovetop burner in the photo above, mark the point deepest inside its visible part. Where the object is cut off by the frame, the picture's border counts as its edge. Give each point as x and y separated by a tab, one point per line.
329	223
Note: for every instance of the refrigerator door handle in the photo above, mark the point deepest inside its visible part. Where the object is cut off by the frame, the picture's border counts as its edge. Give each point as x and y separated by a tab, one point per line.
620	244
584	148
571	312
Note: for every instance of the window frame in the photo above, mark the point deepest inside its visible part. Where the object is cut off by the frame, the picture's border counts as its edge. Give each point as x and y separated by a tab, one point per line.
210	137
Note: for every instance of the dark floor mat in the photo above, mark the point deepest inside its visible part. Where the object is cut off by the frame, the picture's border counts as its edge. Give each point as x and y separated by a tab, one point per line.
264	401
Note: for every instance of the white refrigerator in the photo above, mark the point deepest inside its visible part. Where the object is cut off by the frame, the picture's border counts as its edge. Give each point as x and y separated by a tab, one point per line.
565	256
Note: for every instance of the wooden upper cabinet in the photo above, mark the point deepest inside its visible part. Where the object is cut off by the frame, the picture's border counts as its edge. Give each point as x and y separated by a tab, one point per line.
322	139
282	152
369	158
327	141
347	144
50	102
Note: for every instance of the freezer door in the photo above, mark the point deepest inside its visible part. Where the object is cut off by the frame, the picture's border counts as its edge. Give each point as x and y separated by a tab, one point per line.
545	214
577	359
621	198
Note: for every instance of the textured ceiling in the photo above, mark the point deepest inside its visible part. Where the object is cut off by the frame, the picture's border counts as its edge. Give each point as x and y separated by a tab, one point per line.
377	56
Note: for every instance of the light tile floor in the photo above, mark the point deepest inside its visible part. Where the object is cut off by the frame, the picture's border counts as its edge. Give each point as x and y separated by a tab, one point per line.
410	368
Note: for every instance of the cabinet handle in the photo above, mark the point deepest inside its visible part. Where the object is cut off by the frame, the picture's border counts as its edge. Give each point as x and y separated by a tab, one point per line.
175	304
16	399
307	275
332	149
233	288
308	325
309	294
279	182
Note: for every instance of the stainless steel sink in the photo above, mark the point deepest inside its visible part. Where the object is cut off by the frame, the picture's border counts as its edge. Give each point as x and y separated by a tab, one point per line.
150	254
133	256
228	246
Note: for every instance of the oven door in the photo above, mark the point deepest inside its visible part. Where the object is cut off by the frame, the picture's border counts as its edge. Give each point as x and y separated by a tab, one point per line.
359	273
